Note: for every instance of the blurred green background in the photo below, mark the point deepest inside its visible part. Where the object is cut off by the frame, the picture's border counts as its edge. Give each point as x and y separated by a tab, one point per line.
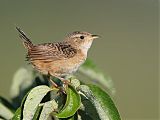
127	51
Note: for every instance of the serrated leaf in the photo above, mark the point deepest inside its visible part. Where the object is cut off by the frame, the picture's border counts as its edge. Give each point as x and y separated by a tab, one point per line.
72	103
33	100
100	101
97	77
48	108
6	110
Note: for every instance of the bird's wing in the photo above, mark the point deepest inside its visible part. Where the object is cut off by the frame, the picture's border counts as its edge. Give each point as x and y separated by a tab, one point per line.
51	52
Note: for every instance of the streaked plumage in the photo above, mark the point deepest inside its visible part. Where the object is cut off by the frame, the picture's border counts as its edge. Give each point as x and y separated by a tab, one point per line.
61	58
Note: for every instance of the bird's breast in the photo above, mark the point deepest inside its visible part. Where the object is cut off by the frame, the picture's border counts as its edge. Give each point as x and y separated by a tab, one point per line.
71	65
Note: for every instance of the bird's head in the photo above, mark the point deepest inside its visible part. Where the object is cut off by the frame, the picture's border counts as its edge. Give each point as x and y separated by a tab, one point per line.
81	40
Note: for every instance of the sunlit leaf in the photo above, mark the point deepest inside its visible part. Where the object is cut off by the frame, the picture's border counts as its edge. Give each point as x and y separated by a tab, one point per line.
75	82
18	115
48	108
72	103
98	103
97	77
33	100
37	113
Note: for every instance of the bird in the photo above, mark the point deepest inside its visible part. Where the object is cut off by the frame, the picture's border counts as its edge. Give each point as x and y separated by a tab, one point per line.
58	59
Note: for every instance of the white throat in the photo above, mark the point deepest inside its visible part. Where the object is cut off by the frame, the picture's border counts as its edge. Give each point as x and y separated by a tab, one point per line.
86	47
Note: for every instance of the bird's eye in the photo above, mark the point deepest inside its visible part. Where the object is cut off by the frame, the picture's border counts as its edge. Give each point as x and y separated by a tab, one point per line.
82	37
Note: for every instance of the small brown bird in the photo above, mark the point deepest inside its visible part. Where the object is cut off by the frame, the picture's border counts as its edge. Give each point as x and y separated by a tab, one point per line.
58	59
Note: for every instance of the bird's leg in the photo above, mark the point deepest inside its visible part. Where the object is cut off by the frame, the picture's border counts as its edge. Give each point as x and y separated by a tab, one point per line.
65	84
52	82
64	81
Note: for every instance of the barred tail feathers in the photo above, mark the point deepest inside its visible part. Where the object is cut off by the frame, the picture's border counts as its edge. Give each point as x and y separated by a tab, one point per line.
26	41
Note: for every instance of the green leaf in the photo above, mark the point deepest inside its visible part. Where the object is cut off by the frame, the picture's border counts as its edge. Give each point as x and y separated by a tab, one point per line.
6	109
72	103
97	77
98	103
17	114
33	100
48	108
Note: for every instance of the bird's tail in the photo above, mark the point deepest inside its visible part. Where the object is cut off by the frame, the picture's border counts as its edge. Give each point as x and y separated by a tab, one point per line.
26	41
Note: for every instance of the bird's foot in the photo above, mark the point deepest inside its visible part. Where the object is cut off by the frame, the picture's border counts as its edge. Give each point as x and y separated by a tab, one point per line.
63	80
63	87
54	85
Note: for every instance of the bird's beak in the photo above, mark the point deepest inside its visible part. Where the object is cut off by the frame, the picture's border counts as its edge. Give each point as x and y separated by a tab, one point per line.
95	36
